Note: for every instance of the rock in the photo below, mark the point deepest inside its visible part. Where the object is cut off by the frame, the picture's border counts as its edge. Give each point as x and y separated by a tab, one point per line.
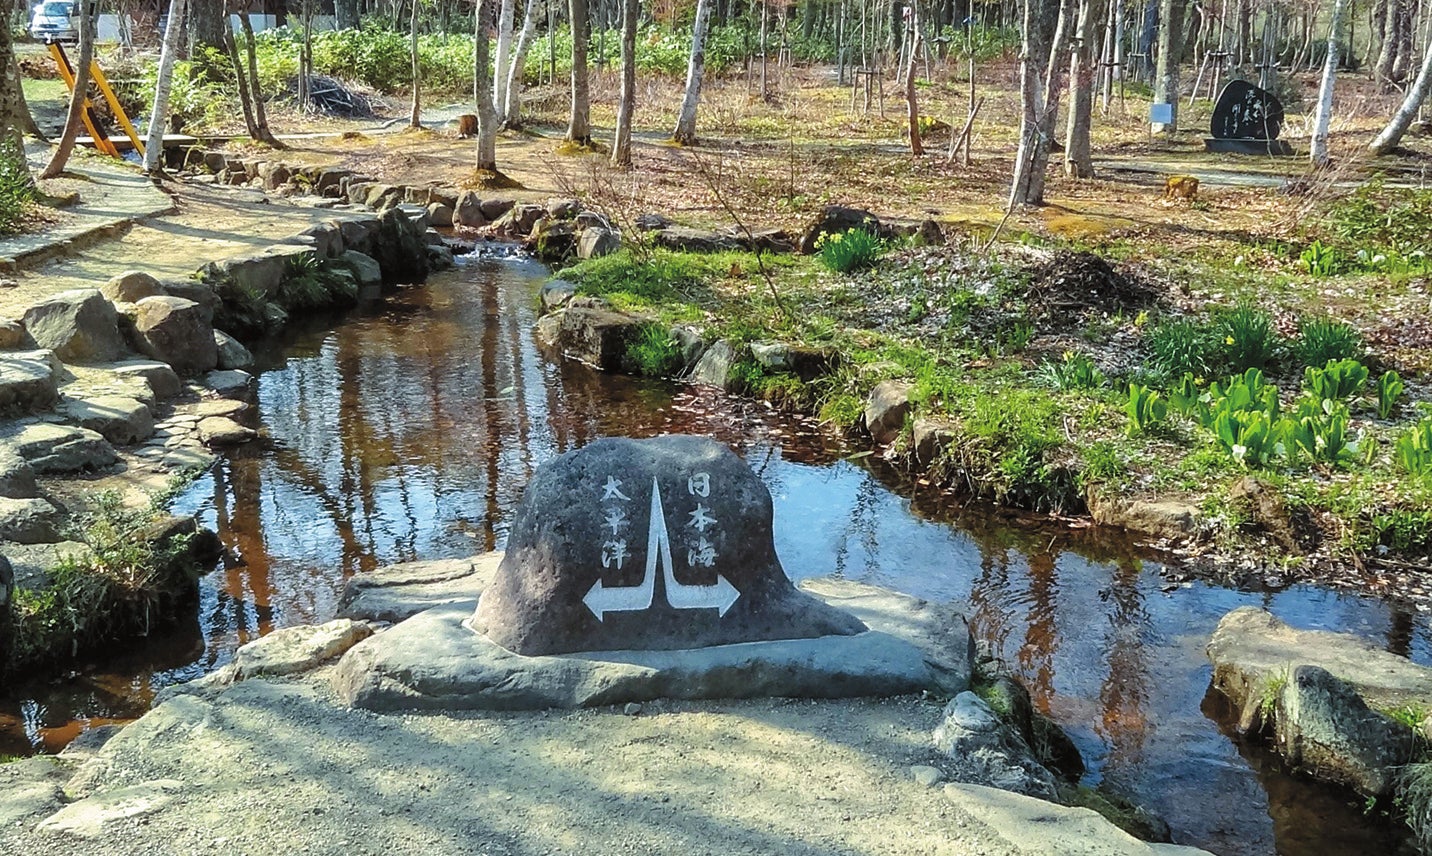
691	344
983	751
440	258
926	777
13	335
358	232
298	649
199	292
17	479
929	234
1057	752
837	219
886	409
29	521
226	407
652	222
681	239
327	237
1169	518
260	274
397	592
492	209
1265	508
588	219
80	326
1323	727
563	209
468	212
556	293
30	789
598	337
1033	826
597	241
440	215
433	661
27	385
162	379
121	420
131	287
399	249
222	431
231	352
714	367
59	448
519	221
805	363
552	241
233	383
173	330
931	437
632	708
364	268
98	815
572	577
1324	692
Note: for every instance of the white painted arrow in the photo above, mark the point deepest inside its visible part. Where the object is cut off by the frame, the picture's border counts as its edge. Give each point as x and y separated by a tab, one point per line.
603	599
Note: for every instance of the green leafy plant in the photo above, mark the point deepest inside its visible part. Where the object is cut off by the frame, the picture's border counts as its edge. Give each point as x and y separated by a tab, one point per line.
1247	336
1319	259
850	250
1184	397
1413	449
1324	339
655	352
1389	390
17	189
1074	371
1319	429
1183	347
1337	381
1145	409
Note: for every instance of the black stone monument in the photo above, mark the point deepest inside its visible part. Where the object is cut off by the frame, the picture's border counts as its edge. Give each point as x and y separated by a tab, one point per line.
1246	120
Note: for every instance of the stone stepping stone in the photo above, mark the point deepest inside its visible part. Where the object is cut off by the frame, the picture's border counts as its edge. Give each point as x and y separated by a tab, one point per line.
122	420
59	448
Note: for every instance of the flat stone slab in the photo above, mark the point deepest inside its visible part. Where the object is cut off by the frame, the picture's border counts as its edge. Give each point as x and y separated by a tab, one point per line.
120	419
30	789
433	661
1251	648
59	448
398	592
97	815
298	649
1036	826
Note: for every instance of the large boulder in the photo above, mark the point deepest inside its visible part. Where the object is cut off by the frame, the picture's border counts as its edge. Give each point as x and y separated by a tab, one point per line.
365	269
598	337
162	380
80	326
714	366
1323	696
646	544
982	750
399	248
231	352
27	384
597	241
174	330
29	521
469	210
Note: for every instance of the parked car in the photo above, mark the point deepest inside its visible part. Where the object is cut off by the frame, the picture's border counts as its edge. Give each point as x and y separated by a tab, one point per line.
55	21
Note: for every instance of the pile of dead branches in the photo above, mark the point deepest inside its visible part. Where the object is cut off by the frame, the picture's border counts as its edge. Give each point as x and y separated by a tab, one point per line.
329	96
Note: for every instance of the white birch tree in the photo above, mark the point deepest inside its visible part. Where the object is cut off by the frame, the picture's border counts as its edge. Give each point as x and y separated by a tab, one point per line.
1407	112
685	133
1322	118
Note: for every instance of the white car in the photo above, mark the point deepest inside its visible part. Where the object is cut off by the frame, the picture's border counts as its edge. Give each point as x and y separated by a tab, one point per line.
54	21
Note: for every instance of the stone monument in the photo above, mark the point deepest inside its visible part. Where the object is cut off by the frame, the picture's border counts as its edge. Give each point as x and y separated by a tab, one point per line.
643	569
646	545
1246	120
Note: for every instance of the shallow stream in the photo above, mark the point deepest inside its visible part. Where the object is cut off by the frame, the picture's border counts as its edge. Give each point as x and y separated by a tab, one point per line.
409	430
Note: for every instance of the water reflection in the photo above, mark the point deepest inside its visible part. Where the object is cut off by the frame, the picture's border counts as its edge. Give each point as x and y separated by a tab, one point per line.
410	430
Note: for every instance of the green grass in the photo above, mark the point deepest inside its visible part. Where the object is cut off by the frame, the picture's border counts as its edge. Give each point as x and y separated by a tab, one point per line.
655	352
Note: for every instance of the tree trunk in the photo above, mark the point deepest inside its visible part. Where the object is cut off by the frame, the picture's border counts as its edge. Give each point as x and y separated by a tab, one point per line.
1078	159
206	25
415	119
1318	151
1170	44
506	22
1027	188
11	98
1407	113
487	122
685	133
579	128
626	106
74	118
21	117
264	135
1387	57
345	14
510	109
241	80
913	108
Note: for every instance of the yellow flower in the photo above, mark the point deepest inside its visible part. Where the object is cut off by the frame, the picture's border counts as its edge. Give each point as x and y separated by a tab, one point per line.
1228	341
1068	355
836	238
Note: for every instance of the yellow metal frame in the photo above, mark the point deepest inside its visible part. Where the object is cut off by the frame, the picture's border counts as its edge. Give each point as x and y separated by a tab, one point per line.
101	143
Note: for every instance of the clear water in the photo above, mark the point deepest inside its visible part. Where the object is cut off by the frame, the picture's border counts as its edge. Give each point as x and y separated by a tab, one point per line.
409	430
